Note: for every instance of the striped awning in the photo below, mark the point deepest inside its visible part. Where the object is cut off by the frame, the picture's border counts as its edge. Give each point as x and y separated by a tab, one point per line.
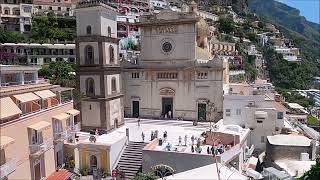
45	94
73	112
61	117
8	108
42	125
6	141
26	97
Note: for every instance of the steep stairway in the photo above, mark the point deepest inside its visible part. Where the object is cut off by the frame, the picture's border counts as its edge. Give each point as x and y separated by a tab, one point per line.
131	159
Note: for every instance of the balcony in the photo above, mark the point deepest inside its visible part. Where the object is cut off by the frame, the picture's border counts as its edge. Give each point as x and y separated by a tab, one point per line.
74	128
230	154
60	136
38	149
8	167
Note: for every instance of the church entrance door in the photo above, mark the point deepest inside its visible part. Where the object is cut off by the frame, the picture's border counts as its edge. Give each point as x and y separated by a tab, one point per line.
202	111
167	105
135	108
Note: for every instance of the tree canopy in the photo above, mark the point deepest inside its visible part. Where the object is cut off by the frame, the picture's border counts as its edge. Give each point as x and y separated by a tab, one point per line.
59	72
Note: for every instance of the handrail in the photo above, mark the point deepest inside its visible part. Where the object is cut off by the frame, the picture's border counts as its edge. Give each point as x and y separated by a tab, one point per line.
40	148
8	167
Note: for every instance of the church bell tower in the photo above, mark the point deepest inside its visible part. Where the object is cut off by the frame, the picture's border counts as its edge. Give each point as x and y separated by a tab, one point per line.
98	66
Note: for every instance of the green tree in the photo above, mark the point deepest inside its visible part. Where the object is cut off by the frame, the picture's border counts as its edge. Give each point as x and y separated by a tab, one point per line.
146	176
59	72
11	37
313	173
226	25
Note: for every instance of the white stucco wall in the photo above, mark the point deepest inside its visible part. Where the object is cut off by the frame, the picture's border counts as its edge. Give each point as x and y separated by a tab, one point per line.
184	43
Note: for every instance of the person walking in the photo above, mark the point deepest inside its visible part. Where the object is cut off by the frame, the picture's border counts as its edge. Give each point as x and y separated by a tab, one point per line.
139	121
185	140
142	135
180	139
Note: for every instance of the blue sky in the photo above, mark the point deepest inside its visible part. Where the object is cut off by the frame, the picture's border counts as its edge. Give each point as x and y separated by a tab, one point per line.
308	8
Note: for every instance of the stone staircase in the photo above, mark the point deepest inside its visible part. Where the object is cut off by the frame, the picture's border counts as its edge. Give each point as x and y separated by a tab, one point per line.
131	159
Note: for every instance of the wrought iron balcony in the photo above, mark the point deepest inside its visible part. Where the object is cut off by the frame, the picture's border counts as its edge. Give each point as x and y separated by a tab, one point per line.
8	167
37	149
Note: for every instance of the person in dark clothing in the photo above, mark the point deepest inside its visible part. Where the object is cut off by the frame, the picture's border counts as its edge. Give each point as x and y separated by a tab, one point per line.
192	148
208	150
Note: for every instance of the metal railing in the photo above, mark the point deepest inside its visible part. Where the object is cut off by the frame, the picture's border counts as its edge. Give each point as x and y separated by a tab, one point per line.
8	167
62	135
74	128
41	148
229	154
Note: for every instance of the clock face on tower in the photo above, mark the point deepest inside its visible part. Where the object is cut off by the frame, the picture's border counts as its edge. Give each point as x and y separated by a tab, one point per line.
167	46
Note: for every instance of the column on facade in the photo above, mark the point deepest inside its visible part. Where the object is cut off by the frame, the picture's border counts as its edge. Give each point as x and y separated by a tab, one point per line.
21	77
40	62
35	77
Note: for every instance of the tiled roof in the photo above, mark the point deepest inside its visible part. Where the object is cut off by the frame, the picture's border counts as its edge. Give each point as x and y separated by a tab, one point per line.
61	175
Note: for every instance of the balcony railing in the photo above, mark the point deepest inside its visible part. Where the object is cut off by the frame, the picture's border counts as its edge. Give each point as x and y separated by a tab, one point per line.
8	167
74	128
36	149
60	136
229	154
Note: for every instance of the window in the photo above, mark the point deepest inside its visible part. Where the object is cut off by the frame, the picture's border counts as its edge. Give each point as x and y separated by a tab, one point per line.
228	112
50	8
167	75
88	30
89	55
202	75
90	87
111	54
109	31
238	112
59	8
262	139
280	115
135	75
260	120
113	84
6	11
39	7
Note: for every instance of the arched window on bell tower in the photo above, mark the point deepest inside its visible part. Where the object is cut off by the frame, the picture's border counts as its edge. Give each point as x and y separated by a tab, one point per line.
88	30
89	55
109	31
113	85
111	54
90	87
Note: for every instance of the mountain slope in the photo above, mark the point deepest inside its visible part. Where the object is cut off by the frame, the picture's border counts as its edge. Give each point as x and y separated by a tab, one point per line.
287	17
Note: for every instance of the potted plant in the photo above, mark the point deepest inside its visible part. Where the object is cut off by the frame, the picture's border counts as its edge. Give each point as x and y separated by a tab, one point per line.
84	171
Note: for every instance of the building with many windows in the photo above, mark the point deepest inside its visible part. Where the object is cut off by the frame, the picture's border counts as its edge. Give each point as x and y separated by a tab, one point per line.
15	15
58	7
36	54
36	118
175	76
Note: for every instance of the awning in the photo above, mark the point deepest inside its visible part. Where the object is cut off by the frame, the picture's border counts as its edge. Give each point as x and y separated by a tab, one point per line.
45	94
8	108
27	97
40	126
73	112
61	117
5	141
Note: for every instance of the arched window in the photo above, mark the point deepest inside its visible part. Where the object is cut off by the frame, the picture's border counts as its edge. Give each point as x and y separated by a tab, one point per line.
111	54
90	87
93	161
109	31
113	84
88	30
89	55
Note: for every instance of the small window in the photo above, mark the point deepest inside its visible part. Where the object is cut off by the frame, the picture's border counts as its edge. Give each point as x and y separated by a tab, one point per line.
50	8
109	31
113	84
111	54
90	87
262	139
89	55
59	8
228	112
135	75
88	30
202	75
238	112
280	115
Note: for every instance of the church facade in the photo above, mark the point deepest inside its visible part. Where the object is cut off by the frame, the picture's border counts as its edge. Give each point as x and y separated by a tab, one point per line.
176	77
